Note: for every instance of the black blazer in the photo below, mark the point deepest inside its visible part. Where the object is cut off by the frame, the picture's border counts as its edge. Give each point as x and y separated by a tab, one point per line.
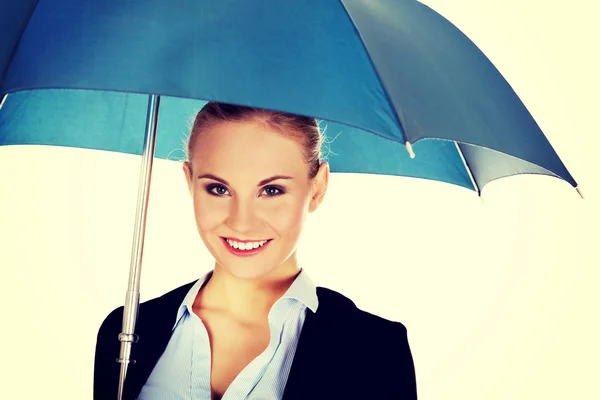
343	352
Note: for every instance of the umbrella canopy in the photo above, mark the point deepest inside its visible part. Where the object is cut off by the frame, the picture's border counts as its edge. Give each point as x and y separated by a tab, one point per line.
115	122
392	72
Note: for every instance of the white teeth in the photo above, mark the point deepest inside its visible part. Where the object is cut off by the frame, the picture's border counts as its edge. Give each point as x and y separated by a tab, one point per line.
247	245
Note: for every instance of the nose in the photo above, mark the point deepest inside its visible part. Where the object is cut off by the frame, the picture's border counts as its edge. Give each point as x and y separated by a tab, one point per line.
242	218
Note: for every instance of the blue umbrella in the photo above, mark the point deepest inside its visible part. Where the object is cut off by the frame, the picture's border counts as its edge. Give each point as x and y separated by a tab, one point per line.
391	79
392	68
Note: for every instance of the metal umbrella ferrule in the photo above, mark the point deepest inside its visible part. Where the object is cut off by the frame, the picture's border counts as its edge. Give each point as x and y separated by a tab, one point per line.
127	337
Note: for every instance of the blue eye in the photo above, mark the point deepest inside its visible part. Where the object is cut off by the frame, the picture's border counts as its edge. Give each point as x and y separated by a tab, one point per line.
217	190
273	191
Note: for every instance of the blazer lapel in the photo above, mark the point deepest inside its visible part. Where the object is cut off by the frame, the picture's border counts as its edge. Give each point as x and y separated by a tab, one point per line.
322	364
306	356
311	375
154	328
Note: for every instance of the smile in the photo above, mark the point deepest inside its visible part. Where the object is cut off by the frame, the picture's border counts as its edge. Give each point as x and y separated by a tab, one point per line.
245	248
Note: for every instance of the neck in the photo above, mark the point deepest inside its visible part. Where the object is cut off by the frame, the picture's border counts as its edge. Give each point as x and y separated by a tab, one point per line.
246	299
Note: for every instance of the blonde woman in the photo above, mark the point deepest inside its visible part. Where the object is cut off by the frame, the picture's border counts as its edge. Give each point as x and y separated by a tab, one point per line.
255	327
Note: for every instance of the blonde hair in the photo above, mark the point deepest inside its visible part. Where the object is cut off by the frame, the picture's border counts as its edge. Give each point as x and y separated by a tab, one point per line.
304	130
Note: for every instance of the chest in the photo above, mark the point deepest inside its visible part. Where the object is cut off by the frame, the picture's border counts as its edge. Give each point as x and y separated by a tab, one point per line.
233	346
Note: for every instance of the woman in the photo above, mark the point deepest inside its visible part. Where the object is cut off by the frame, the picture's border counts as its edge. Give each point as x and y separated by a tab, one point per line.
255	327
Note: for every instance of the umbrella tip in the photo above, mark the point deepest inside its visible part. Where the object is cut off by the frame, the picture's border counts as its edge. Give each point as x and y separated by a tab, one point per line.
411	153
579	191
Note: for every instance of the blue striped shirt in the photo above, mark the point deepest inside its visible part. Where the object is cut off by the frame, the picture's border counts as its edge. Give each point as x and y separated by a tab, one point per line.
183	371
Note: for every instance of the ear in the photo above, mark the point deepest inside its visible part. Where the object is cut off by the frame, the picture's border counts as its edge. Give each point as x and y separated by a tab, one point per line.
187	170
319	186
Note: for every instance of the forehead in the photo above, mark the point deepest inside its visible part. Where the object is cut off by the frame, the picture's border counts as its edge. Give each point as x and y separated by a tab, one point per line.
248	147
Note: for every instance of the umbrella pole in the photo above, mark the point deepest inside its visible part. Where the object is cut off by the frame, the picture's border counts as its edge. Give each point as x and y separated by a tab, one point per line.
132	298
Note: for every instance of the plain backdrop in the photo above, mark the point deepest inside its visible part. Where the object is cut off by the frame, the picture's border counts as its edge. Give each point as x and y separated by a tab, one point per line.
499	295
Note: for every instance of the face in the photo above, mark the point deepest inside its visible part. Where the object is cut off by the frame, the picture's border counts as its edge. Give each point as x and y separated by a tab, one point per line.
251	194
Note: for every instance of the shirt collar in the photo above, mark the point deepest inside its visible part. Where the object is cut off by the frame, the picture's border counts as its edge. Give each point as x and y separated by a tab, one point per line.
302	289
190	297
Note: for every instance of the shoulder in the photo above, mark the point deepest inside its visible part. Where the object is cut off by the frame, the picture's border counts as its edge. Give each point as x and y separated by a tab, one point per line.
153	313
341	316
338	306
365	346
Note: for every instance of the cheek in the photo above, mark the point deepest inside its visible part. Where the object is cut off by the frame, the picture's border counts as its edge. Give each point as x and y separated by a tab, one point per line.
288	218
209	212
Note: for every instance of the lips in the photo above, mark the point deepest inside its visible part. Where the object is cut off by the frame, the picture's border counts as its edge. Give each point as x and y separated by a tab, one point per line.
245	247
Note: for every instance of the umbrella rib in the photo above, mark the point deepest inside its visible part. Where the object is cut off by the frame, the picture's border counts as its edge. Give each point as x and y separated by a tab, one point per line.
385	91
468	168
14	49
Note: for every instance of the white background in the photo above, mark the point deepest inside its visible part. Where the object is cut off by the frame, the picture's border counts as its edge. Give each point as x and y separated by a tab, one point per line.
500	296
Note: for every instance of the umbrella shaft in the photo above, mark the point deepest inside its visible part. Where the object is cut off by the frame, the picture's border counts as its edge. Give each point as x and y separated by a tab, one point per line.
132	297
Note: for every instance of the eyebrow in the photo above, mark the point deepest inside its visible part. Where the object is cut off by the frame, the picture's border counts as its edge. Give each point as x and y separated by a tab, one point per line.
214	178
273	178
261	183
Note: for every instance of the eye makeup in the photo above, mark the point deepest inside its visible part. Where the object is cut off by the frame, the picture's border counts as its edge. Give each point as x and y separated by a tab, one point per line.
273	191
216	189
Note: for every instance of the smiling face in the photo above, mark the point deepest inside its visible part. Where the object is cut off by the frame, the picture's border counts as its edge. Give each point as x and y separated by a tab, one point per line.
252	192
